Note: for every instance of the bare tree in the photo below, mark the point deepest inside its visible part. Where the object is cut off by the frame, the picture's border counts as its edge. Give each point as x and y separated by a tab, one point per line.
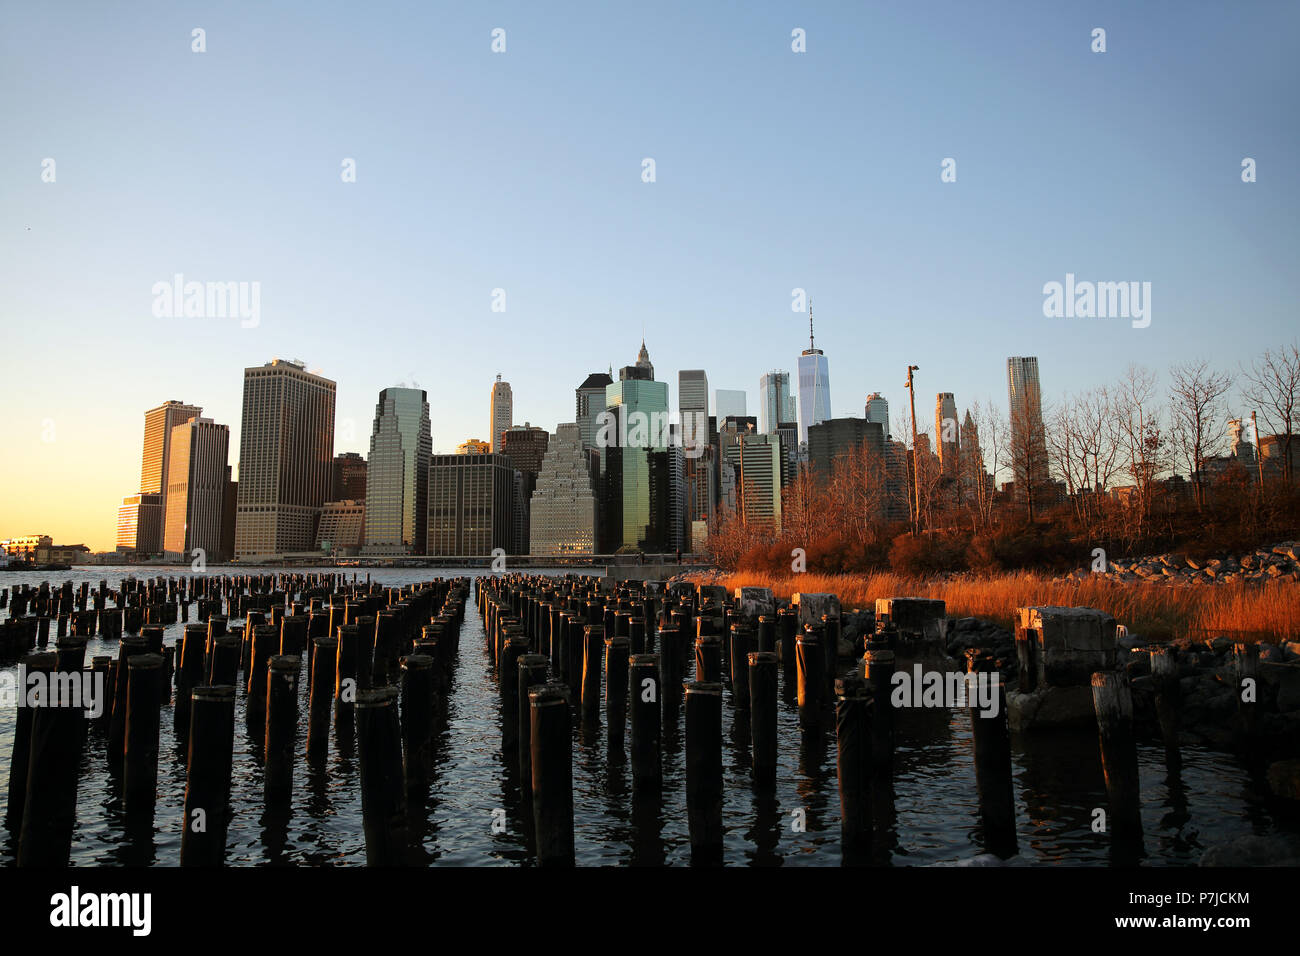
1195	394
1084	449
1272	382
1143	438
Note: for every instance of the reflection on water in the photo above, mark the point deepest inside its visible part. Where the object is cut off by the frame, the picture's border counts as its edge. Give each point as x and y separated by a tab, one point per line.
931	816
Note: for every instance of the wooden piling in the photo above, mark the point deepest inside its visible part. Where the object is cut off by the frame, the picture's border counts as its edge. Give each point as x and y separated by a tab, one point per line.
704	770
643	676
383	790
207	778
853	769
143	697
281	730
320	698
991	739
762	681
552	766
1113	705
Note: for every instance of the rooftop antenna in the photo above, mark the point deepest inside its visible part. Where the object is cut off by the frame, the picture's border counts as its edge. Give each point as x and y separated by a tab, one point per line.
811	346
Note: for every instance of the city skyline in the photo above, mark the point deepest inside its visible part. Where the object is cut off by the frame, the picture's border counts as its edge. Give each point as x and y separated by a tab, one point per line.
905	268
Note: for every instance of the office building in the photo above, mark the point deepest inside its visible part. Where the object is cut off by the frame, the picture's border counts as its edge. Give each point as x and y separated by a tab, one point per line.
342	528
140	524
349	477
525	445
286	456
755	461
635	427
838	438
877	411
729	403
158	425
563	504
196	490
946	434
776	403
814	385
1028	439
397	479
502	412
471	505
473	446
590	402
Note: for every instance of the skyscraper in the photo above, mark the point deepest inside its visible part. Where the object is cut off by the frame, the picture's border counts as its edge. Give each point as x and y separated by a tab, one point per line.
349	477
589	403
728	403
776	402
158	425
196	489
471	504
563	509
814	384
526	447
877	411
946	436
699	471
397	479
286	453
635	428
503	412
1028	439
756	461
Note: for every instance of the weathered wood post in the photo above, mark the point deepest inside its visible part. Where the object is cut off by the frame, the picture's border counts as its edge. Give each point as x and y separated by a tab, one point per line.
617	656
531	673
593	637
417	724
1113	704
552	765
643	676
853	769
383	791
704	770
1164	674
763	707
991	738
207	778
812	679
281	730
143	696
321	697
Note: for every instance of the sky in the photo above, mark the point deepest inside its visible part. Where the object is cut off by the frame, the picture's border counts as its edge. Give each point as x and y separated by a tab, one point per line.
522	171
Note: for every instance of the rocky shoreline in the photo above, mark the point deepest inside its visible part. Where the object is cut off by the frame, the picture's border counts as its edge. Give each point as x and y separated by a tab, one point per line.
1281	562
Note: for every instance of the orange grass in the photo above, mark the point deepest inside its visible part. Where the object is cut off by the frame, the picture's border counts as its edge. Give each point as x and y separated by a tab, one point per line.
1245	611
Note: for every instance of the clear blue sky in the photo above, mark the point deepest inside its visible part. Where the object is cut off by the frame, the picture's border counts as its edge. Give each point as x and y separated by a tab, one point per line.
522	171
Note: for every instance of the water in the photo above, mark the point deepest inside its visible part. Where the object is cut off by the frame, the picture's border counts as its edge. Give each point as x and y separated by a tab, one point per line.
1058	782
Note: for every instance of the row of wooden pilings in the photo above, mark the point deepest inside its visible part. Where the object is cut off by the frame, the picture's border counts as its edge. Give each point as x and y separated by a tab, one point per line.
365	648
553	639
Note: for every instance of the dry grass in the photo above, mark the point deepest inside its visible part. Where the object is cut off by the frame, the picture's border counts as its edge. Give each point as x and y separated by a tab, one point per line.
1268	611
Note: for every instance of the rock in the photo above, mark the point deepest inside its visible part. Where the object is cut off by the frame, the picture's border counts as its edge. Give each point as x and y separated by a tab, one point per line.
1271	652
1050	708
1274	850
1284	779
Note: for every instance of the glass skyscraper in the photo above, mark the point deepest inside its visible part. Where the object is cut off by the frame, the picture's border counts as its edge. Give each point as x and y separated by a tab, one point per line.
776	403
637	428
397	477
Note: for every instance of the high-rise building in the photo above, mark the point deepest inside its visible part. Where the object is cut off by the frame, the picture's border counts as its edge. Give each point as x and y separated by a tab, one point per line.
971	471
635	427
397	479
837	437
503	411
877	411
755	459
140	524
729	403
229	508
286	455
526	447
699	477
776	403
814	384
946	436
471	504
349	477
158	425
563	506
473	446
196	489
1028	439
693	405
589	403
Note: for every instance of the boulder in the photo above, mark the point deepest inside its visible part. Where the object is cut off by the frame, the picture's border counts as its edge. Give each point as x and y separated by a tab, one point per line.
1284	779
751	602
1273	850
812	606
1070	643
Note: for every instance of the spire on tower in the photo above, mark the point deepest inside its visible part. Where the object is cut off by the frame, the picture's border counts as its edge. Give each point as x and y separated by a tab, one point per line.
811	344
